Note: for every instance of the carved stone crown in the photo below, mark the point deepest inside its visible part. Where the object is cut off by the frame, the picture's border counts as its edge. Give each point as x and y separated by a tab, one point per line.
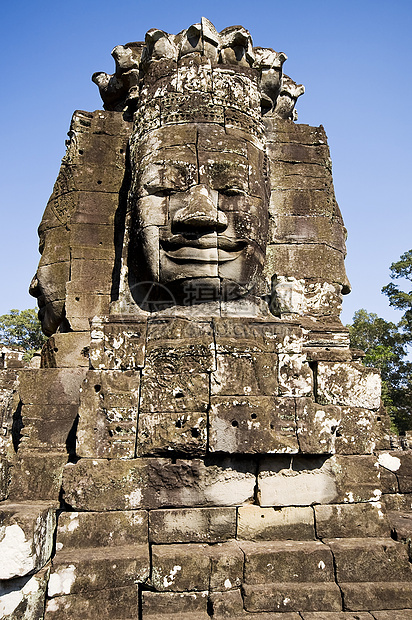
199	75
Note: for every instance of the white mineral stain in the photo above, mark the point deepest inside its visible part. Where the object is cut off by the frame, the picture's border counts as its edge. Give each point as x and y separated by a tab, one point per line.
389	462
52	605
15	552
377	494
74	524
134	499
227	584
117	342
286	601
381	515
9	602
363	422
61	582
321	565
167	581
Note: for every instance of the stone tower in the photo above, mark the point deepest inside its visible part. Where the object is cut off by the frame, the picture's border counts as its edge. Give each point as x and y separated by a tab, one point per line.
199	440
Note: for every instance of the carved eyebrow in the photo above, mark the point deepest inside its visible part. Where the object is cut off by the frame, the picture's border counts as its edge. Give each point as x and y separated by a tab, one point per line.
161	175
229	176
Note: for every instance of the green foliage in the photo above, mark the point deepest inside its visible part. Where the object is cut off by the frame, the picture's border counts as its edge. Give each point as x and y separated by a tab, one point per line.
402	300
384	345
23	329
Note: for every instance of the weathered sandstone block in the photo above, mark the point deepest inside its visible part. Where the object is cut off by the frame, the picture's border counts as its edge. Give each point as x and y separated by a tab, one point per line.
347	384
90	568
230	605
153	483
317	426
76	530
38	477
377	595
256	523
252	424
108	414
51	385
287	561
295	376
370	560
182	525
105	604
26	538
193	567
283	597
23	598
351	521
179	605
181	431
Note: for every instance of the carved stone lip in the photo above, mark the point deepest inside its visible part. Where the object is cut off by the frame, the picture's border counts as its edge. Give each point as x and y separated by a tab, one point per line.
200	249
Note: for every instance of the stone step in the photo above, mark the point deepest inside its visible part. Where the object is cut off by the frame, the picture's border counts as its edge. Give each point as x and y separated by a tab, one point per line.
362	520
179	605
229	606
401	524
85	570
197	567
287	523
344	615
292	596
107	604
370	559
400	614
287	561
378	596
336	615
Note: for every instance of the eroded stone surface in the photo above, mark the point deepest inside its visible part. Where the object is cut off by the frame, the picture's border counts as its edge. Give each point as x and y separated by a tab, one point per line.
192	525
23	598
352	521
153	483
256	523
26	538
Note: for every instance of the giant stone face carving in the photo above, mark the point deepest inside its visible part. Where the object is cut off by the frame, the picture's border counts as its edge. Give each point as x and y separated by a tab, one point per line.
164	197
199	205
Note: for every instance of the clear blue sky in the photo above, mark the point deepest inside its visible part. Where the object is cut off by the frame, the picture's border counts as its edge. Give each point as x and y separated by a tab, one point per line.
353	56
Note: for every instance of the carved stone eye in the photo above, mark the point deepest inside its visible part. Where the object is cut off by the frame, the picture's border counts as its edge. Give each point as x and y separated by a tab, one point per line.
162	193
232	191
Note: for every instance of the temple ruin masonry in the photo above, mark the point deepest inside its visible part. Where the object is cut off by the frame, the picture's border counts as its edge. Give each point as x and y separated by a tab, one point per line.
199	440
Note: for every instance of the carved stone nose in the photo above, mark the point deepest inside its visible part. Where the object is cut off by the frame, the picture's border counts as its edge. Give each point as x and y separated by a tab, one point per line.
34	287
200	213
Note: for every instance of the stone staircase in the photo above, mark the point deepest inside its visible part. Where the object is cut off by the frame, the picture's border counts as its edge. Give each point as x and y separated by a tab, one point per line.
325	562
